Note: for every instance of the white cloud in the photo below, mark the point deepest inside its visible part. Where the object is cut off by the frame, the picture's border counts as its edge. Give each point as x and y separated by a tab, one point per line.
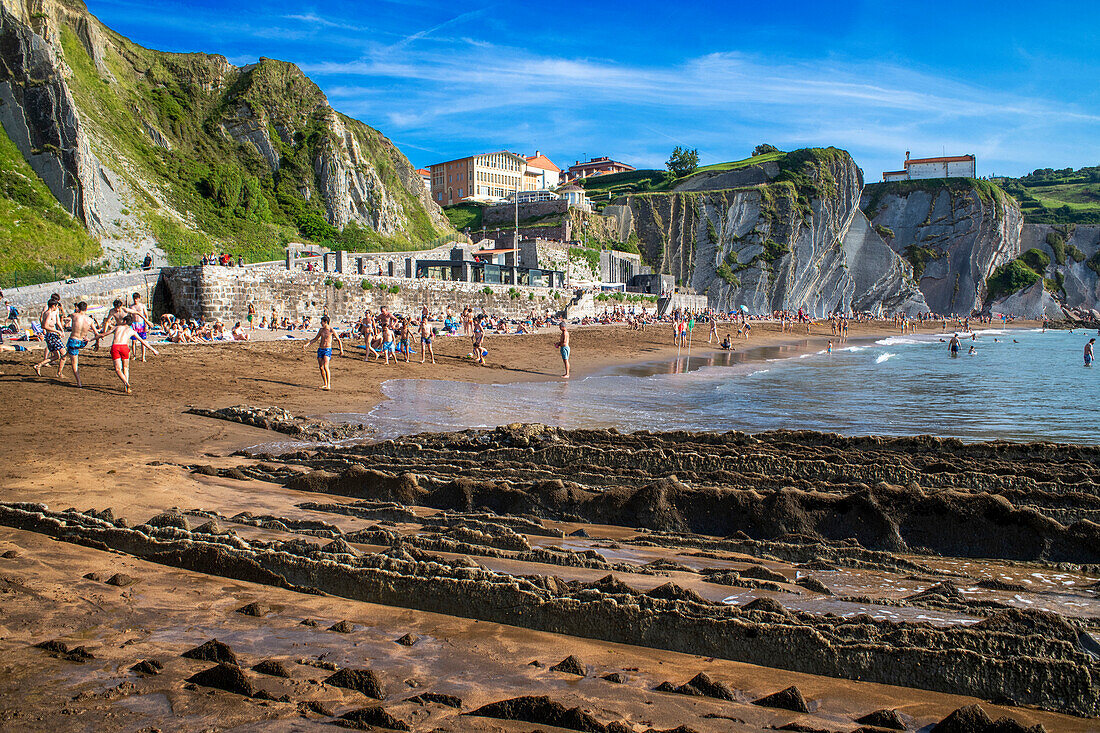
473	92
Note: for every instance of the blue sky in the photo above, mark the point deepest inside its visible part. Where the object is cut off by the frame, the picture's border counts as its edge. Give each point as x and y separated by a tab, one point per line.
1013	83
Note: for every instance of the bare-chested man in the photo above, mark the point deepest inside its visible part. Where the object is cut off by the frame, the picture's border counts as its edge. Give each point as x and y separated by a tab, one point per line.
323	339
141	319
563	346
83	330
52	330
121	337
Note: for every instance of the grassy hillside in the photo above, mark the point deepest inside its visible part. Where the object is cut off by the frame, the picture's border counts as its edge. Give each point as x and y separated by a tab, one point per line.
1065	196
211	157
226	191
603	189
39	240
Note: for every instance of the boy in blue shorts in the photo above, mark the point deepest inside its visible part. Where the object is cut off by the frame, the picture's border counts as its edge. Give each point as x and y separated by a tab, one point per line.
323	339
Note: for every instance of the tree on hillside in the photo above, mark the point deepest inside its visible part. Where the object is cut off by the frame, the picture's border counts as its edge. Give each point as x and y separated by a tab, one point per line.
683	161
764	149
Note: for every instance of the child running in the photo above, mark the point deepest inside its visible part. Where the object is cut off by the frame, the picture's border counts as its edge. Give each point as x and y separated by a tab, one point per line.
325	335
120	348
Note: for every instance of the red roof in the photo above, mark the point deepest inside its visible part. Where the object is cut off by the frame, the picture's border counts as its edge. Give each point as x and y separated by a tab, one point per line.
948	159
423	171
541	161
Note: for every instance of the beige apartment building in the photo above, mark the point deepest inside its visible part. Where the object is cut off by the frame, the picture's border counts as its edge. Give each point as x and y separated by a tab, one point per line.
484	176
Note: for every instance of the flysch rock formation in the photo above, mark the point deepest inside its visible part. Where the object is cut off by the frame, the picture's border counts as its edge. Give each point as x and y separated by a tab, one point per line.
1034	302
1071	249
783	235
86	107
961	235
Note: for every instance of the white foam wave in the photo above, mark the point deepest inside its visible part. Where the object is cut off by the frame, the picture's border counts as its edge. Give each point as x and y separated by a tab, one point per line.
883	357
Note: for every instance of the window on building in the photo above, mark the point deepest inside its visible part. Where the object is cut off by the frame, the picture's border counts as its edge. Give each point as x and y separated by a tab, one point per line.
460	192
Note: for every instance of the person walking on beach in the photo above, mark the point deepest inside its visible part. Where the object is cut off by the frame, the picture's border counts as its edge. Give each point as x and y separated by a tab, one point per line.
563	346
251	316
953	345
120	348
325	335
83	329
51	330
1089	352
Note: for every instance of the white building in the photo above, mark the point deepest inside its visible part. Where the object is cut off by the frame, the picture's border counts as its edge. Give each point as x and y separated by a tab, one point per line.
539	194
575	196
544	173
955	166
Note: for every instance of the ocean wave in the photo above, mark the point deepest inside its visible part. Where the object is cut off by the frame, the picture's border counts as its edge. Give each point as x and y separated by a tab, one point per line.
883	357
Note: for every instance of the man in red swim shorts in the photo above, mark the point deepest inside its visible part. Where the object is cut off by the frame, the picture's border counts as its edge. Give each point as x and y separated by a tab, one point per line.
120	348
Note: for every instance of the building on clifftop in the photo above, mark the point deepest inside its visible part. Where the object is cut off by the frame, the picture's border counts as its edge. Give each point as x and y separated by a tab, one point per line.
953	166
596	167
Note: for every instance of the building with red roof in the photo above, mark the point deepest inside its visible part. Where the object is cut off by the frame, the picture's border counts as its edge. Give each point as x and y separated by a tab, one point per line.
949	166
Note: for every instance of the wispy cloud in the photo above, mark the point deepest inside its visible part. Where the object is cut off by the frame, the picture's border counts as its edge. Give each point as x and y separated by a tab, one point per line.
317	20
461	18
451	86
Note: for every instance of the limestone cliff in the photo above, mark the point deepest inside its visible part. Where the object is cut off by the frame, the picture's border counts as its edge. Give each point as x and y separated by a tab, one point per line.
955	233
190	152
1072	278
786	236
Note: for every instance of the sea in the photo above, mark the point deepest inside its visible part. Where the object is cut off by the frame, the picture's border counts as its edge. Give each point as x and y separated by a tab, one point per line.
1018	385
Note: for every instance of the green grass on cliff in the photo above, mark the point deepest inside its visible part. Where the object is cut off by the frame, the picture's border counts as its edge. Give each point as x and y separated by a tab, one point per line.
463	216
987	191
1010	278
225	188
39	240
1067	200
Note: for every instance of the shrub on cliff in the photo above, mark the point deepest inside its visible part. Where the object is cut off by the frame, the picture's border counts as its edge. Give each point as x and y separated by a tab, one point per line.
726	274
1010	278
1036	259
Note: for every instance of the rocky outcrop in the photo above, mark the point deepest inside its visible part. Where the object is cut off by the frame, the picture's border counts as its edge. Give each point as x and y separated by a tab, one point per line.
93	114
1035	303
789	236
955	232
1074	253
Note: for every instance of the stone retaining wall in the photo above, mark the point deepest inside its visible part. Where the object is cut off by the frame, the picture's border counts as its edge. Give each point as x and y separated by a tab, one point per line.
96	290
224	293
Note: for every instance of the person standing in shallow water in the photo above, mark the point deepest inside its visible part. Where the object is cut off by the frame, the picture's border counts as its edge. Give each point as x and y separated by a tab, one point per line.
953	345
1089	355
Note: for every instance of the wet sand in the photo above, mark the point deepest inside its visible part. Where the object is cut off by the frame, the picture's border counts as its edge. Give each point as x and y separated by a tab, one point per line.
139	456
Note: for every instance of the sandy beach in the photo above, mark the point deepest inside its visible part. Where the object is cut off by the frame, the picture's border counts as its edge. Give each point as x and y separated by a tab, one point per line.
127	596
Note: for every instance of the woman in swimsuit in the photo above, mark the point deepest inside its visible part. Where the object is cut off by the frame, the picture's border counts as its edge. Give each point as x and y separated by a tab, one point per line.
479	340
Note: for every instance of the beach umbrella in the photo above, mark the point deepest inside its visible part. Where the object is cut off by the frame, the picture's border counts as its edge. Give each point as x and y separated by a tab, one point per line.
745	308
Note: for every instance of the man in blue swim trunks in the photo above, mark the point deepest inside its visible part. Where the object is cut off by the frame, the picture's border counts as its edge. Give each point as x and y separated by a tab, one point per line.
563	345
82	330
1089	356
51	332
323	339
